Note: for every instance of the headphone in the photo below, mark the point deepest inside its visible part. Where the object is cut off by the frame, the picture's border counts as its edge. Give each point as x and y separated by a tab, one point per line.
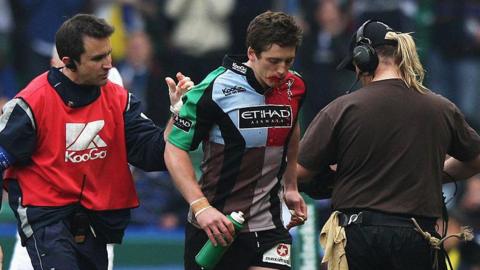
71	65
364	55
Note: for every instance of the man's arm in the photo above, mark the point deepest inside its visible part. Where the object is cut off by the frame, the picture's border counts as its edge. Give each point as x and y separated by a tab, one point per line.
183	138
455	169
175	93
17	136
319	185
168	128
464	149
145	141
214	223
304	175
293	199
317	152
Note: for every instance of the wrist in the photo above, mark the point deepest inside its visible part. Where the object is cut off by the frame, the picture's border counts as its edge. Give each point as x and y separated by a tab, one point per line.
202	210
290	187
199	205
175	108
173	111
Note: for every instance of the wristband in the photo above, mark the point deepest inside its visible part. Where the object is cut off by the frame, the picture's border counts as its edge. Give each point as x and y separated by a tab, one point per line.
201	210
198	200
5	159
175	108
199	205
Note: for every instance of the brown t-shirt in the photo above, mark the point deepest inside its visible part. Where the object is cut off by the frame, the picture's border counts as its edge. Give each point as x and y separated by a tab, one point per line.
389	143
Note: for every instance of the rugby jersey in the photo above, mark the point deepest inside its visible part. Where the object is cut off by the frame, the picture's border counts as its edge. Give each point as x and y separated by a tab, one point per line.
245	130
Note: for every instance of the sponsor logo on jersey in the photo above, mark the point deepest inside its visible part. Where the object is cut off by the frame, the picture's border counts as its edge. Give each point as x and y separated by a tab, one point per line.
239	68
83	142
182	123
265	116
233	90
279	254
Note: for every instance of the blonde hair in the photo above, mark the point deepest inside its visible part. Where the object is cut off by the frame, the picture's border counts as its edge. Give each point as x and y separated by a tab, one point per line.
406	57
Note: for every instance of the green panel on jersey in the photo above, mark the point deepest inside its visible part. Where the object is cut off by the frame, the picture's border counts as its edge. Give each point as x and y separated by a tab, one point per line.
183	137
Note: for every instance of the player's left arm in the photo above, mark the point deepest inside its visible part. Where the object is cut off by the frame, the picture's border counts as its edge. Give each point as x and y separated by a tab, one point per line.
293	199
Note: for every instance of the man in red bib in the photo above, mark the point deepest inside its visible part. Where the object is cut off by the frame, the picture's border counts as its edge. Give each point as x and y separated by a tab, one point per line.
67	140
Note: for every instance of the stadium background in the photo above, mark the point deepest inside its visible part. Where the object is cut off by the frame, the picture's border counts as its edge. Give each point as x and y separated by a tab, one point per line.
156	38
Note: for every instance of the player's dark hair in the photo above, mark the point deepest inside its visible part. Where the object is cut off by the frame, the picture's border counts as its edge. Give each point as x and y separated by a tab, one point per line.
271	28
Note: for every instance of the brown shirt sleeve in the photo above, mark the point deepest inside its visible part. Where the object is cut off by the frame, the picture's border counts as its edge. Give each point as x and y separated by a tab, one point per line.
465	143
318	147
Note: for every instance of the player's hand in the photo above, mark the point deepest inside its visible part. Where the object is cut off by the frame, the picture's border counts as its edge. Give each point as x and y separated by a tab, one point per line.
176	90
217	226
297	207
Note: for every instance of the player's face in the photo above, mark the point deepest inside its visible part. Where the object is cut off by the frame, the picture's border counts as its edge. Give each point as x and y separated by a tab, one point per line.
271	66
95	62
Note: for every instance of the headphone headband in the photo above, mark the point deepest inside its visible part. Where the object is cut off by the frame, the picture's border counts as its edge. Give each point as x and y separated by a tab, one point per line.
359	35
364	55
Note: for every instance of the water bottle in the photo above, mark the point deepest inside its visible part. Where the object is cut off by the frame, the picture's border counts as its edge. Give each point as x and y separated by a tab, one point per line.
210	255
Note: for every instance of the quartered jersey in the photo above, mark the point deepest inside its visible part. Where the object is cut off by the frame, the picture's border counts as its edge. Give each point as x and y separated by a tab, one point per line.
245	131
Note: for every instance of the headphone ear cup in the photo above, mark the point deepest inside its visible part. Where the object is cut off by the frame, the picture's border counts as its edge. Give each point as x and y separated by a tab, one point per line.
365	58
71	65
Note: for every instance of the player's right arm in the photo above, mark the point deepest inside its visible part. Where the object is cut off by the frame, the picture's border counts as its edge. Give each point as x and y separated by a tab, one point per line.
190	127
214	223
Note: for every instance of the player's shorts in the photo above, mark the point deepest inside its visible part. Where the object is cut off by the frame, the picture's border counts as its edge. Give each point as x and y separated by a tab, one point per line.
271	249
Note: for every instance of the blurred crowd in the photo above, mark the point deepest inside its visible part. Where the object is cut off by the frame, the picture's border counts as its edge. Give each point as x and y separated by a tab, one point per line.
157	38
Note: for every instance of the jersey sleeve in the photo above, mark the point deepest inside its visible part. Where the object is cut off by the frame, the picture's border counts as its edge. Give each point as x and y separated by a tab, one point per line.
317	147
197	115
465	142
17	130
145	143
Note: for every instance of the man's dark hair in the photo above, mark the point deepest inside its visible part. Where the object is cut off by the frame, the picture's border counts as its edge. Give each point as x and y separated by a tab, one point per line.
69	38
271	28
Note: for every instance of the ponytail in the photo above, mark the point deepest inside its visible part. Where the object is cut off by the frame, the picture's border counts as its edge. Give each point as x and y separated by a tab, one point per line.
406	57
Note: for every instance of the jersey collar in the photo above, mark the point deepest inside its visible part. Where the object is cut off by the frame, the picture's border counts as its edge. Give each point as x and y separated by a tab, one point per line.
72	94
235	64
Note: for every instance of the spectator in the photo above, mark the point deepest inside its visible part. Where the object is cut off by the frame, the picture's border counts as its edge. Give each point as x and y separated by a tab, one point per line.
243	14
454	60
35	25
8	84
162	205
200	34
322	50
135	68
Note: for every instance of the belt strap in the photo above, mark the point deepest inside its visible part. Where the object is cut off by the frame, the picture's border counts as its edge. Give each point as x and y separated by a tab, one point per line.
382	219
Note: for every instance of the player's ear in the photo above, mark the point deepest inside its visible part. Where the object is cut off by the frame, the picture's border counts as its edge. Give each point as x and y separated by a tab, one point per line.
252	56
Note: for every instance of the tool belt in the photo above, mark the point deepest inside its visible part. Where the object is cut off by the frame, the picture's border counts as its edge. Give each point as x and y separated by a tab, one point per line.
374	218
